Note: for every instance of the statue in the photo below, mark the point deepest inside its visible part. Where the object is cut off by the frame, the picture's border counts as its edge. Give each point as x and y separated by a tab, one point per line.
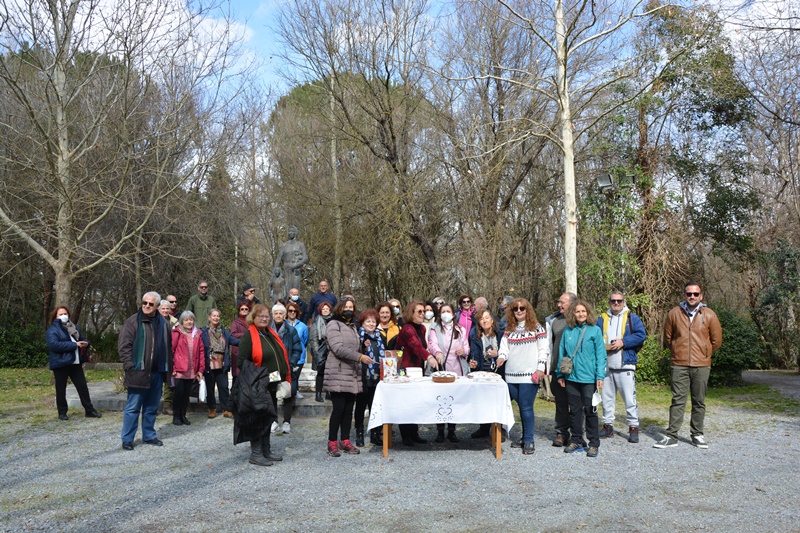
277	286
293	256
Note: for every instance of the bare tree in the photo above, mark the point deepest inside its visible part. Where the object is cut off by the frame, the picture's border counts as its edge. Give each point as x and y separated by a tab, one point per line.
110	108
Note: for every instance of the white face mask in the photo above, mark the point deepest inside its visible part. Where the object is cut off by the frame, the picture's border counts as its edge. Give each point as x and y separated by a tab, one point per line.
295	297
63	318
396	310
447	317
428	315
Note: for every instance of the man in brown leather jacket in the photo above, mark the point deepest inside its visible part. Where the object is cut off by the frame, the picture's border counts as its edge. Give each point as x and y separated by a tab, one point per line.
693	333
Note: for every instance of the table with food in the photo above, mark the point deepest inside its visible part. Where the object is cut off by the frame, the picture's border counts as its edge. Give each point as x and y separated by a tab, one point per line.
442	397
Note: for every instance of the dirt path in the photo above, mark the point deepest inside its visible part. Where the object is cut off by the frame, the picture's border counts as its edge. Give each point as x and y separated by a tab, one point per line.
787	382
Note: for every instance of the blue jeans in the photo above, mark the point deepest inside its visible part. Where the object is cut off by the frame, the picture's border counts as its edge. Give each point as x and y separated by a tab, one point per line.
524	394
145	401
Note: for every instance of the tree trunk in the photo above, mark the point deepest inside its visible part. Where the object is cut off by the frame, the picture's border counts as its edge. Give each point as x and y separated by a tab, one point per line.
567	146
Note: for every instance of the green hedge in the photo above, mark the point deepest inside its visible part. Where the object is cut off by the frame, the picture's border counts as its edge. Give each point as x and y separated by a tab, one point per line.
22	347
653	364
741	349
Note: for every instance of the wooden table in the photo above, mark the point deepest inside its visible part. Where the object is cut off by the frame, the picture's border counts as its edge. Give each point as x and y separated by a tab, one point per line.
465	401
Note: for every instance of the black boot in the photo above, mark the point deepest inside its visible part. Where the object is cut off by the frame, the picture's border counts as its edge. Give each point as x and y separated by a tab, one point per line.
318	397
256	458
375	437
266	449
439	433
451	433
360	437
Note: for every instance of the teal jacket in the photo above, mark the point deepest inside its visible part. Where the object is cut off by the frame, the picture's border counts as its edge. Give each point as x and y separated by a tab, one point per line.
589	363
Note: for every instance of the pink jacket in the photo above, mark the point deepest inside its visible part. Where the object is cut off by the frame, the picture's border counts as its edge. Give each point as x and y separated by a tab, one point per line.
180	352
453	362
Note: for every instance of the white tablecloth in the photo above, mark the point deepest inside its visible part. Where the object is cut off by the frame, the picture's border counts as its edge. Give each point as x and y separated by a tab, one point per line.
425	402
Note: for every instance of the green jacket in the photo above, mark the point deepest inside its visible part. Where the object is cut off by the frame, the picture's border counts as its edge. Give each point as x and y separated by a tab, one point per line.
589	362
201	308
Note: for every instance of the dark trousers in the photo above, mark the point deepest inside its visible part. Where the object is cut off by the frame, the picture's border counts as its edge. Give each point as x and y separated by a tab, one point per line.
562	407
364	400
320	377
288	403
580	406
75	373
180	398
219	378
408	431
342	415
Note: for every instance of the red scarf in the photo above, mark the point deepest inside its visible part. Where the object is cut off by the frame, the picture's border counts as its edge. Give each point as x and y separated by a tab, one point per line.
258	353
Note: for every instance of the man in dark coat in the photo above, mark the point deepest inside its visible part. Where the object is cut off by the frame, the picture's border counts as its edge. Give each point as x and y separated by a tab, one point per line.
145	350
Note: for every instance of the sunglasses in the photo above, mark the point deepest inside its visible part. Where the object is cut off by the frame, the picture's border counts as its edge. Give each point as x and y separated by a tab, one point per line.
616	301
515	309
693	294
203	286
173	301
148	304
466	302
291	311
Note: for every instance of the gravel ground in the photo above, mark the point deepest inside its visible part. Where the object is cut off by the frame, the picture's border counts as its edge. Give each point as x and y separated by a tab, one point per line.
73	476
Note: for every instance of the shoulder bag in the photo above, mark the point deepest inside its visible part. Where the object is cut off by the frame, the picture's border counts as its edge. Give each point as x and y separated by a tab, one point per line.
566	365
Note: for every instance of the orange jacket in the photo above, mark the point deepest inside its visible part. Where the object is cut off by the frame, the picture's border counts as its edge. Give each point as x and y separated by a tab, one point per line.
692	344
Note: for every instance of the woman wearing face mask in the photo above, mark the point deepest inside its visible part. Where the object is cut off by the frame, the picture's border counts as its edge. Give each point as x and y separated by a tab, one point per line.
217	342
524	351
238	328
449	343
430	315
397	310
294	347
386	324
583	341
293	314
343	374
318	345
68	351
372	345
189	363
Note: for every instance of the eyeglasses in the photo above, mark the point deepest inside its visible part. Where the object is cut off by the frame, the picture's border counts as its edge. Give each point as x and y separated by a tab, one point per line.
616	301
419	312
262	317
518	309
291	311
693	294
203	286
148	304
466	302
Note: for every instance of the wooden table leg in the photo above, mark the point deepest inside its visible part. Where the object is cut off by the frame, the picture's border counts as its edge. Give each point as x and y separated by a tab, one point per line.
497	440
387	439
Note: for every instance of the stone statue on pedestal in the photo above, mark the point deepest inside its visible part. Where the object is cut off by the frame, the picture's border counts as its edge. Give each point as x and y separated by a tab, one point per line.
293	256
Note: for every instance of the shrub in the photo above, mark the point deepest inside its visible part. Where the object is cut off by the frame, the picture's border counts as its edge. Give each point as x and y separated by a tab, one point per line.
741	349
653	366
105	348
22	347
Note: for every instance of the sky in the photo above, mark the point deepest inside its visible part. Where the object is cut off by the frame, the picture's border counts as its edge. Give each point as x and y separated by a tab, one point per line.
259	17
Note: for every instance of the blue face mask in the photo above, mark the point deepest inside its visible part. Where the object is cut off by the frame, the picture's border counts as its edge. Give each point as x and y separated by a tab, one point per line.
295	298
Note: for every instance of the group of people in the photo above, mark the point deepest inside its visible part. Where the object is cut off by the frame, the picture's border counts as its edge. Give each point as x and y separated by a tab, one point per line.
581	356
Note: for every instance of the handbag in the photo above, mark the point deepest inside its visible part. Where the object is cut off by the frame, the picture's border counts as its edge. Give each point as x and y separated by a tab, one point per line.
567	365
284	390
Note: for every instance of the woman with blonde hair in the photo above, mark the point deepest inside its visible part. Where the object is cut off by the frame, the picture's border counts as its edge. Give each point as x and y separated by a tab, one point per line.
524	352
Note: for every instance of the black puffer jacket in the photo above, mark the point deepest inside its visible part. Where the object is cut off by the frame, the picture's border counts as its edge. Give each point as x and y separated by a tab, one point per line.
253	408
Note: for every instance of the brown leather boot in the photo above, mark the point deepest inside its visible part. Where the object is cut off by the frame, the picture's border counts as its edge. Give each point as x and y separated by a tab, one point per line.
212	413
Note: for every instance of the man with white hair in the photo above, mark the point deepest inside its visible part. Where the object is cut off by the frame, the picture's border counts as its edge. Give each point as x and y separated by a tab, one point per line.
145	350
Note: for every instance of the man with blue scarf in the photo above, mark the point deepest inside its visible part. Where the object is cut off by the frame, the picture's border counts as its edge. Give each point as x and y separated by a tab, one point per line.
145	350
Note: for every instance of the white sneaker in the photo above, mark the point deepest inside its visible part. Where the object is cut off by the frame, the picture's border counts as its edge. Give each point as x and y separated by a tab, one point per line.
700	441
287	428
299	396
274	427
